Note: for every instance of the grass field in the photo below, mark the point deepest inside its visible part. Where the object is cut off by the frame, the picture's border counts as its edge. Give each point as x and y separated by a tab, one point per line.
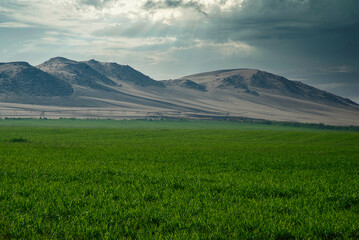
72	179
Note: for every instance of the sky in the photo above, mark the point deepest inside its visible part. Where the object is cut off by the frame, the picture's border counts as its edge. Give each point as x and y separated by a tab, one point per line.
312	41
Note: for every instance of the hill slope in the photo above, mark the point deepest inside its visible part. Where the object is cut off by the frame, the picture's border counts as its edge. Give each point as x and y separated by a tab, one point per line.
21	78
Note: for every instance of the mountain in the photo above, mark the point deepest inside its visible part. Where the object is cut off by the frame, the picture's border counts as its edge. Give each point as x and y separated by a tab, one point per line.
123	73
76	73
185	83
21	78
256	82
90	89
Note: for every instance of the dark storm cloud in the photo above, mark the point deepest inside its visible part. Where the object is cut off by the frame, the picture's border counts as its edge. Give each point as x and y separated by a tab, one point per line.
307	33
325	30
166	4
263	19
321	33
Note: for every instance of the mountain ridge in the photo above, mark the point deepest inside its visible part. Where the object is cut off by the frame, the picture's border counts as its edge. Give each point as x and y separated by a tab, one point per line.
117	72
119	91
74	72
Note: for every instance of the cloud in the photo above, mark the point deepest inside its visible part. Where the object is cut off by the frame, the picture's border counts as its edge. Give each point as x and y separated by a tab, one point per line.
14	25
3	9
172	4
99	4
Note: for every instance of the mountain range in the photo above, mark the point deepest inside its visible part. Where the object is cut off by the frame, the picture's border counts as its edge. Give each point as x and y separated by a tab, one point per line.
62	87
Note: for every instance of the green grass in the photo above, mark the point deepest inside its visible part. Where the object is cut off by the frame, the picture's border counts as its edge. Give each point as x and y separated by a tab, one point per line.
176	180
173	124
137	124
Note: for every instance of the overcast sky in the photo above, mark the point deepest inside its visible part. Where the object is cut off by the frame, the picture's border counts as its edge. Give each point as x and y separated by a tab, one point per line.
313	41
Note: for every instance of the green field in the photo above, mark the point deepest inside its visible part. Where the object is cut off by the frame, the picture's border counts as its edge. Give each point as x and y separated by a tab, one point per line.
83	179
